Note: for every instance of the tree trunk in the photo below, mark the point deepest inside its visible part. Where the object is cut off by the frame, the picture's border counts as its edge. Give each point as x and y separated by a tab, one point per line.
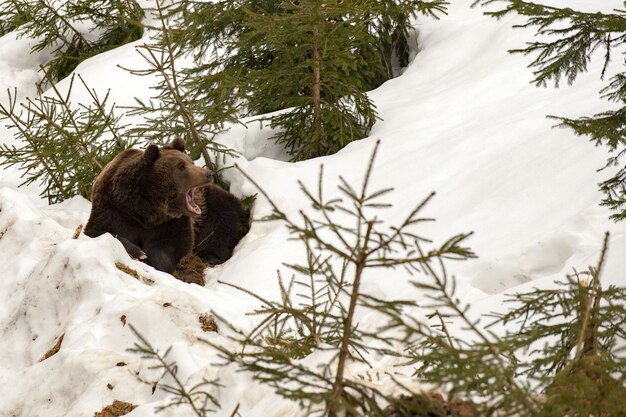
317	100
338	385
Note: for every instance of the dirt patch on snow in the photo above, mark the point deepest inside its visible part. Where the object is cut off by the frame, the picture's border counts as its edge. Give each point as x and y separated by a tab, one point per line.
126	269
118	408
54	350
207	321
191	270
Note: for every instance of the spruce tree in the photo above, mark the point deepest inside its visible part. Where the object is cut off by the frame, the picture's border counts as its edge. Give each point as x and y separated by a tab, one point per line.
555	351
571	38
344	240
311	47
63	145
313	60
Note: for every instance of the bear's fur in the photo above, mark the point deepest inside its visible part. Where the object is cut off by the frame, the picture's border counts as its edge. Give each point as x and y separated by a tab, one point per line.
146	200
221	225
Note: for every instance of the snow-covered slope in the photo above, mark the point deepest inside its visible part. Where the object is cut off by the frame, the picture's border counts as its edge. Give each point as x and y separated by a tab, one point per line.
462	120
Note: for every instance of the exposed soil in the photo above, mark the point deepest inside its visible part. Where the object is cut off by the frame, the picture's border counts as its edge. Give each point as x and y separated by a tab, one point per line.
207	321
191	270
117	409
124	268
54	350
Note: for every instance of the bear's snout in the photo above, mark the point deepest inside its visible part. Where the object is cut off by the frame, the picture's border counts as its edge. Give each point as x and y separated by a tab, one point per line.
199	176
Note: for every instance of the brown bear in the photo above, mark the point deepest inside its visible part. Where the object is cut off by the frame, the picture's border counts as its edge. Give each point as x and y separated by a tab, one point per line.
221	225
146	200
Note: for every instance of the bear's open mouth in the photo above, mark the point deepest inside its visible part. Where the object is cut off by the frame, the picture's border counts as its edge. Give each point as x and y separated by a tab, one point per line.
191	204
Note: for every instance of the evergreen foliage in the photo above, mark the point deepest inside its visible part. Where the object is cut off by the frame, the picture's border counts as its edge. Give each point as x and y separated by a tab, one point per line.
571	38
64	145
59	26
311	59
554	352
316	313
561	353
11	16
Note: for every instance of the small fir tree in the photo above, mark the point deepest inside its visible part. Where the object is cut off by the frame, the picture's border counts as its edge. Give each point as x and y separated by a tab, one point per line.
557	351
311	44
571	39
312	59
389	26
318	306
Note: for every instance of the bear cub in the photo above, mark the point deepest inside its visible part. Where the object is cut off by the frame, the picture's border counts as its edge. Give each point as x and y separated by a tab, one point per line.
147	200
220	226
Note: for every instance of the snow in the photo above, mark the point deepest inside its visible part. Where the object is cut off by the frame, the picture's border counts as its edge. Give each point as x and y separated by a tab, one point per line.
462	120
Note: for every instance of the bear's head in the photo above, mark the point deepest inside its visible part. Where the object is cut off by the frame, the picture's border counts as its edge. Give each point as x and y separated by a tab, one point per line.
173	179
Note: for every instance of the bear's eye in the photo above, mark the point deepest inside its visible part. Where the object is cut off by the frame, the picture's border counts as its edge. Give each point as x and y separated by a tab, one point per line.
181	167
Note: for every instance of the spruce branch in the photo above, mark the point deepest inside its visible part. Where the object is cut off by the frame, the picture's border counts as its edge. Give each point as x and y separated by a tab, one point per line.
77	36
339	383
197	397
563	340
71	118
444	297
576	35
12	16
11	155
173	85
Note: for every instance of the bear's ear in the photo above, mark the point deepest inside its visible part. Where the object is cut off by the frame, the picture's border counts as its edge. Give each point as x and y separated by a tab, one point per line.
151	154
177	144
